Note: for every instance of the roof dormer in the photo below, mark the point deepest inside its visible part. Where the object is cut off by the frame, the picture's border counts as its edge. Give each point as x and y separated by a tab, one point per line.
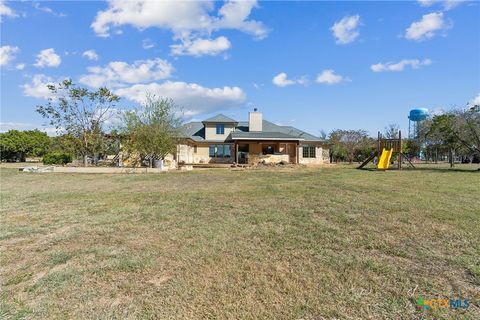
218	127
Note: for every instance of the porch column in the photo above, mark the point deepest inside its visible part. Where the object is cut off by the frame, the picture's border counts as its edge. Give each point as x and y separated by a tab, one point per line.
236	153
296	153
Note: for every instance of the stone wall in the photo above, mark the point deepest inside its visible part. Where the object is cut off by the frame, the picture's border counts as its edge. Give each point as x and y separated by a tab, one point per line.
319	156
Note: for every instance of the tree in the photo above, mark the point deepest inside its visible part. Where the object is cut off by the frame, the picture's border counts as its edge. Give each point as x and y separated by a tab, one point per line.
349	142
411	148
466	128
391	131
65	143
17	145
81	113
457	130
153	129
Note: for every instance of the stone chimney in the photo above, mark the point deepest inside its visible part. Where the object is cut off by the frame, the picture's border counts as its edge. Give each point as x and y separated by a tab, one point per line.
255	121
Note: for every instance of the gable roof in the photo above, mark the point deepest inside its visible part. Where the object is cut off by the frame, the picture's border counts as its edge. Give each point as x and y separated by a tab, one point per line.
220	118
196	131
268	126
193	130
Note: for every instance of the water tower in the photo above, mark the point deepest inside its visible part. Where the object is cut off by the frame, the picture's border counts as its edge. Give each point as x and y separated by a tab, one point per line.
416	116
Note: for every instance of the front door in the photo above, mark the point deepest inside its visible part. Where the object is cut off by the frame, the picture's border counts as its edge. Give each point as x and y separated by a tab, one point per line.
243	153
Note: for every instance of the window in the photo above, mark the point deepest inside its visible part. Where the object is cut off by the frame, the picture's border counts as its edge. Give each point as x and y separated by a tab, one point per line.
309	152
268	150
219	151
194	149
226	151
220	128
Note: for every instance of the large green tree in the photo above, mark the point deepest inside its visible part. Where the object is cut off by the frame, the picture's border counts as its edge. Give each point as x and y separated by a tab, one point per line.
17	145
81	114
153	129
457	130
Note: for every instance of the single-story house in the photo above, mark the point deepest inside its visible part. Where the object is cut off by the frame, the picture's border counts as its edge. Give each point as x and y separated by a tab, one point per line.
221	139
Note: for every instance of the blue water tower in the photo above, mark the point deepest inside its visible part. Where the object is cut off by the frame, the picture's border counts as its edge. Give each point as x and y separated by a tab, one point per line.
416	116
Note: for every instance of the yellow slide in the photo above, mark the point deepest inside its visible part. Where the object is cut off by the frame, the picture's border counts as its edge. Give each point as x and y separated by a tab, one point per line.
384	161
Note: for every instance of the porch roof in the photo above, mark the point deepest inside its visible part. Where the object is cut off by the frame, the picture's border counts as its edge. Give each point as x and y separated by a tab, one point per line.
242	135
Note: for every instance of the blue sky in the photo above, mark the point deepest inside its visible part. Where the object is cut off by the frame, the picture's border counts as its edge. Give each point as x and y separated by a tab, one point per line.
314	65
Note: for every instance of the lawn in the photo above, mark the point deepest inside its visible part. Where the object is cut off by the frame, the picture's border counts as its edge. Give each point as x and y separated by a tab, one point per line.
288	243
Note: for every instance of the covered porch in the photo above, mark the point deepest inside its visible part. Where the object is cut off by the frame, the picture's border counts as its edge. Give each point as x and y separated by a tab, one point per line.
256	151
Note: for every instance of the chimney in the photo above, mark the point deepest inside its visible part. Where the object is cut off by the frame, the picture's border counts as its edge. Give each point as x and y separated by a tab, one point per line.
255	121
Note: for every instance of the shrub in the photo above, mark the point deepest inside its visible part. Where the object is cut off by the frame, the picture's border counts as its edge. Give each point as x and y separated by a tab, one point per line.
57	158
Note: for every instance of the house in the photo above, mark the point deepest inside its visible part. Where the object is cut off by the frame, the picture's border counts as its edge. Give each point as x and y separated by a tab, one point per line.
221	139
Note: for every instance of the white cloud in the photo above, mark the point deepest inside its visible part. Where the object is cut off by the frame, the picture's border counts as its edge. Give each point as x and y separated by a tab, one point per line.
113	117
20	66
46	9
117	73
426	3
6	11
37	88
7	54
191	22
191	97
446	4
281	80
475	101
6	126
400	66
90	55
450	4
48	58
179	17
329	77
234	15
346	30
200	47
427	27
147	44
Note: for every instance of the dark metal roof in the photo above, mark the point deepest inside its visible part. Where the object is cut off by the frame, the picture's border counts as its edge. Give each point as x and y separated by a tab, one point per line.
193	130
196	131
220	118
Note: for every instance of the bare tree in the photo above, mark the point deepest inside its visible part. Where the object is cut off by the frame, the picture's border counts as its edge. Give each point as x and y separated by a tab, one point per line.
391	131
349	142
81	113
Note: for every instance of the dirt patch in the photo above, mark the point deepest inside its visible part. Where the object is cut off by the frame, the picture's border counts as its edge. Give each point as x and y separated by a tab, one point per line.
160	280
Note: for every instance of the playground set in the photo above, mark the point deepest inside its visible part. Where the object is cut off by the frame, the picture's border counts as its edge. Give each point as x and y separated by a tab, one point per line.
386	149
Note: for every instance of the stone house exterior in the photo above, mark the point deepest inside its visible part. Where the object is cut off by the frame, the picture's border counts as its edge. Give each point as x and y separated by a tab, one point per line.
221	139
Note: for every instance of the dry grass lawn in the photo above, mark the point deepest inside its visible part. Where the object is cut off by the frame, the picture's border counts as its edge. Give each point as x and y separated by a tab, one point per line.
331	243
